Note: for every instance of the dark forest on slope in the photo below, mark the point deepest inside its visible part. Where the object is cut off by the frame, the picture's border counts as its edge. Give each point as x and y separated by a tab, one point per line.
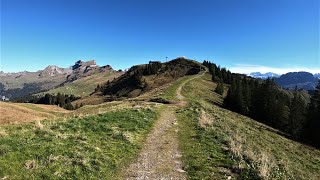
288	111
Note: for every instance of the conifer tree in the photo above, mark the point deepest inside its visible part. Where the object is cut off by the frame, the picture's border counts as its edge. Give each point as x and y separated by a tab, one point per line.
297	116
311	131
220	88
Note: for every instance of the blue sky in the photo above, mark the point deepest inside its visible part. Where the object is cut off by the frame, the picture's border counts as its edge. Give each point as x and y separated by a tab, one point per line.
246	35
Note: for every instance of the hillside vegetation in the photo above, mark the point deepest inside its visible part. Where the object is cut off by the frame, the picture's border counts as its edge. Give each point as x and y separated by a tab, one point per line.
78	148
102	141
291	112
143	78
86	85
218	143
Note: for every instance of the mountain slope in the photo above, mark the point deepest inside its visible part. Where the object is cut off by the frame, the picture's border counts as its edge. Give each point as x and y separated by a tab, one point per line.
15	85
86	85
217	143
303	80
142	78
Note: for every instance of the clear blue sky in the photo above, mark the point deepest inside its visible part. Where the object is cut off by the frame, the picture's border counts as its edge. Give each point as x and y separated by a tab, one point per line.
232	33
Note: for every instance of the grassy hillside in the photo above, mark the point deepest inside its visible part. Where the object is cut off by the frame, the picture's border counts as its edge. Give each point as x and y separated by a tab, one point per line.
86	85
25	112
95	146
99	141
144	78
218	143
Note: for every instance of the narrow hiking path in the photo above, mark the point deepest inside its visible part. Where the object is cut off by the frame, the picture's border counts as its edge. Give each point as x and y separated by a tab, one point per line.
179	90
160	157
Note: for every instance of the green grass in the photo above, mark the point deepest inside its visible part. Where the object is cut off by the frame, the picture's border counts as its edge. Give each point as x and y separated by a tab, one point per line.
203	155
94	147
33	107
217	142
170	93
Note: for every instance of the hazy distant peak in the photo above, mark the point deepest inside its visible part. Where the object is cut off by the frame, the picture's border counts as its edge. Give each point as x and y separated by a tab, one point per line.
317	75
263	75
301	80
53	70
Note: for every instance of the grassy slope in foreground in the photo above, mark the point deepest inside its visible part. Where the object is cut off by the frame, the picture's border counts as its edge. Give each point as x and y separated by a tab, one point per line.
26	112
218	143
81	148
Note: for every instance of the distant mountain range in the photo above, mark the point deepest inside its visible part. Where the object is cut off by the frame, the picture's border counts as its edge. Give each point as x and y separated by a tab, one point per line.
317	75
272	75
15	85
264	76
291	80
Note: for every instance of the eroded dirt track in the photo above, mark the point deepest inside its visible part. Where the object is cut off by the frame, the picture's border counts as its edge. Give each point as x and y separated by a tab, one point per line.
160	157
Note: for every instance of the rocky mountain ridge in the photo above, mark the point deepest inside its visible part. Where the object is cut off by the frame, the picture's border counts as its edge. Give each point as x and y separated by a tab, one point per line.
15	85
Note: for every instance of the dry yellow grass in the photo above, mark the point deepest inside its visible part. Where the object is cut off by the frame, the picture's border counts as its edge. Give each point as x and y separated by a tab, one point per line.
204	119
11	113
2	132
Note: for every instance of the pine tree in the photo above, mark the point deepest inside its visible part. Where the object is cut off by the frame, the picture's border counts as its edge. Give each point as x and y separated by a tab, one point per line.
220	88
297	116
246	96
69	106
212	71
230	98
239	98
98	88
311	131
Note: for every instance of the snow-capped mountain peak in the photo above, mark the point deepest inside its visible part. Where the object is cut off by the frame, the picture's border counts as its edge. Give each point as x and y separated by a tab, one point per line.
264	75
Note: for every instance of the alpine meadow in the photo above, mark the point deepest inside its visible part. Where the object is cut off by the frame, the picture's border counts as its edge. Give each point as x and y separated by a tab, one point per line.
173	90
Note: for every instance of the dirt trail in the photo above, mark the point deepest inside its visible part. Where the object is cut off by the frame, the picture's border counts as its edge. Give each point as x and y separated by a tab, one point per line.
160	157
178	92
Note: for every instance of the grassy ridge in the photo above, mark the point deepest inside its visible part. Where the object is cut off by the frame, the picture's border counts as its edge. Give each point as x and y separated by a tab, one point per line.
171	93
218	143
81	148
